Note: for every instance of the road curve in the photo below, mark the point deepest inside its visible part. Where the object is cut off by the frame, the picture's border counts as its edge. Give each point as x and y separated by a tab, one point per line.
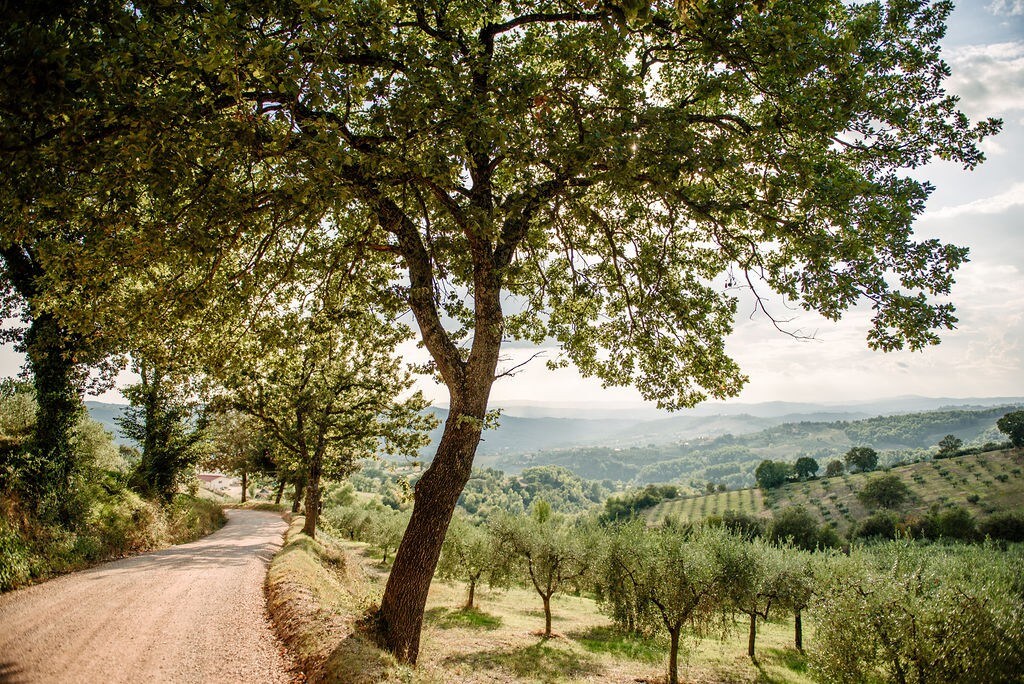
190	613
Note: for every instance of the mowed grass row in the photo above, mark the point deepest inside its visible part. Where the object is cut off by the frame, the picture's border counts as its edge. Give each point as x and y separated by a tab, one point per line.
502	641
981	483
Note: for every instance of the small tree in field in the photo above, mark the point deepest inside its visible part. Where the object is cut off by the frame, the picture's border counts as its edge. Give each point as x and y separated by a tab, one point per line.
757	585
888	491
551	555
863	459
834	468
663	579
470	554
386	528
949	445
805	467
1012	425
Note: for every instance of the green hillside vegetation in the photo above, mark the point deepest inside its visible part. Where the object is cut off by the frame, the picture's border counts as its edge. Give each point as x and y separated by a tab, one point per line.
982	484
730	459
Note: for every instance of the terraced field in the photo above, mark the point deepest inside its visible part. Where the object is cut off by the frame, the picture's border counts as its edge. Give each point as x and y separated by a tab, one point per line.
983	484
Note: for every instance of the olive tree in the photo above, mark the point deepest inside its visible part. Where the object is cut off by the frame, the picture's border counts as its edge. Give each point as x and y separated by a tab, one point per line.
550	555
662	578
471	554
913	614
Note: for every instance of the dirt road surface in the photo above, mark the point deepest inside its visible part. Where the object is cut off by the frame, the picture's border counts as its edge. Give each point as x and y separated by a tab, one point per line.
190	613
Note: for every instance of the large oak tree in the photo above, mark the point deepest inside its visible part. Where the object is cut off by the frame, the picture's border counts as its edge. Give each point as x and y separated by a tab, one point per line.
595	173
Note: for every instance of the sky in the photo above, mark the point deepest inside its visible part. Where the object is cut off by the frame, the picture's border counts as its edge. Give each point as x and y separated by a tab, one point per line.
982	209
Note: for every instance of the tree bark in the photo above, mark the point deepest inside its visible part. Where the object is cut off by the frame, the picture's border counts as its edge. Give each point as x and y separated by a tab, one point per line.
245	484
472	590
434	499
673	656
298	496
313	493
280	492
752	636
547	615
799	630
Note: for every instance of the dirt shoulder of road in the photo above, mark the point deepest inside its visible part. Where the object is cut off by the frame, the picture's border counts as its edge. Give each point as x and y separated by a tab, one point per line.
318	600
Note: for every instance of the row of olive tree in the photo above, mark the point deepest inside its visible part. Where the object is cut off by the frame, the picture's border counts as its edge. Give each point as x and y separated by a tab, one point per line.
695	581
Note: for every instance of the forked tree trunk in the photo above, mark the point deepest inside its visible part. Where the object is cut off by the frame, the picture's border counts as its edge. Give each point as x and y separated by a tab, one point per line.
313	494
799	629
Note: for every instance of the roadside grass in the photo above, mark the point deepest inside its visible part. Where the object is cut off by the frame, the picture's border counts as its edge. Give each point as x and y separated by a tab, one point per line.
317	599
117	524
981	483
500	640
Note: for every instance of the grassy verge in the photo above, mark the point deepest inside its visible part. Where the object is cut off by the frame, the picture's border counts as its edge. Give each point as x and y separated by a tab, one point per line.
121	524
316	600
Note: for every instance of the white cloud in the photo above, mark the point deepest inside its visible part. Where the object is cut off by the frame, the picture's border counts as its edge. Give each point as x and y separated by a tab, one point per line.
988	78
994	204
1006	8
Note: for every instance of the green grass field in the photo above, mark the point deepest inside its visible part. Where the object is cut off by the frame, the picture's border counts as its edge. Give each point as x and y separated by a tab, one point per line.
995	478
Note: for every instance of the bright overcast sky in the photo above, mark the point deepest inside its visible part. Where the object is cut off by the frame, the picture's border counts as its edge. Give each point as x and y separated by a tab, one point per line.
983	210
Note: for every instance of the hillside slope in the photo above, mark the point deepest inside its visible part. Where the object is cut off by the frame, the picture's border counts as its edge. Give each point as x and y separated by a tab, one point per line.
995	478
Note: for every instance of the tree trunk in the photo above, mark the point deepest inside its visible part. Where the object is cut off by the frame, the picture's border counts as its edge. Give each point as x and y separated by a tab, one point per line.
280	492
434	499
469	385
245	484
59	409
313	494
298	496
799	629
673	656
752	637
472	589
547	615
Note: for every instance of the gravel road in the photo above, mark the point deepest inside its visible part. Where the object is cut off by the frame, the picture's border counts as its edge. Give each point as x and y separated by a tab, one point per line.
190	613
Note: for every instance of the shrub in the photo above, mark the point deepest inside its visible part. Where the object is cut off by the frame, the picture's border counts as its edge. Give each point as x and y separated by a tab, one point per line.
1005	526
880	525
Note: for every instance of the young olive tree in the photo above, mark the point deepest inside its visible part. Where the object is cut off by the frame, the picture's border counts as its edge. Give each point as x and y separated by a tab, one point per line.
550	554
611	169
471	554
385	528
664	579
